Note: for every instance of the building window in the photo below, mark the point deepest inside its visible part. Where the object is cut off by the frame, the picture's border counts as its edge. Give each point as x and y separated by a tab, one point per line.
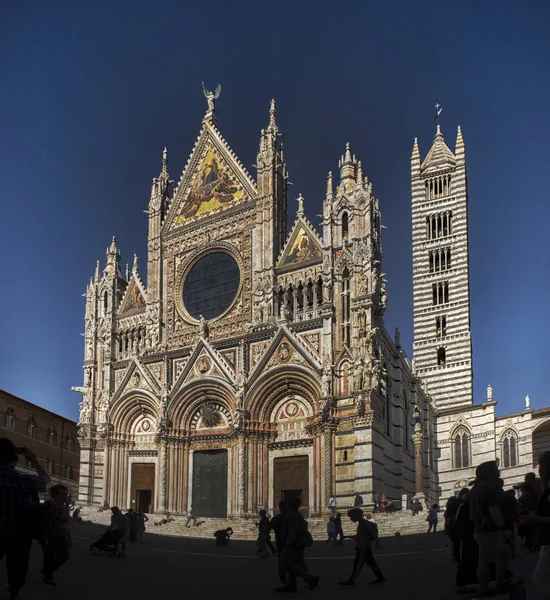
461	441
68	472
51	436
346	309
9	419
69	443
509	450
441	326
441	357
31	427
439	260
439	225
438	187
50	467
345	227
440	293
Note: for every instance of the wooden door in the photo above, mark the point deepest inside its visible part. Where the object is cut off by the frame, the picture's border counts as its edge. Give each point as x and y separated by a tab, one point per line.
291	479
143	487
210	483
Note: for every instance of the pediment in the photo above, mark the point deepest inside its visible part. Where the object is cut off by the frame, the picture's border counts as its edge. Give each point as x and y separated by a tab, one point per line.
303	247
136	378
203	362
133	300
285	349
213	180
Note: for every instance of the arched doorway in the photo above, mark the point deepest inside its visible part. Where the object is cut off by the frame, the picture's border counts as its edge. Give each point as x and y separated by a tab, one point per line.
541	440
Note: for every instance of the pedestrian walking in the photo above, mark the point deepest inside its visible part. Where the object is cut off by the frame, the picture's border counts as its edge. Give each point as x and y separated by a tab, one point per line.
432	519
295	539
263	535
366	535
131	516
141	519
541	521
331	533
57	542
358	500
339	531
191	517
276	525
18	493
332	506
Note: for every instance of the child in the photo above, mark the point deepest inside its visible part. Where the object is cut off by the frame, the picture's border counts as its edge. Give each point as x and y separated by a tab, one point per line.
331	532
366	534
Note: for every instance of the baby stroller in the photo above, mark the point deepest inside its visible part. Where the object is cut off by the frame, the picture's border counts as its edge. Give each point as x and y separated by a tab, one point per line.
110	544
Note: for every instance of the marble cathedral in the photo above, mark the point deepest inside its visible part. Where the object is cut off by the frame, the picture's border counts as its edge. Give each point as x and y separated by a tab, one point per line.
253	364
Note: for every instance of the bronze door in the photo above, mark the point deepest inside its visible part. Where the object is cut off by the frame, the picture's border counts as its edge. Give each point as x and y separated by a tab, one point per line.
143	487
210	483
291	479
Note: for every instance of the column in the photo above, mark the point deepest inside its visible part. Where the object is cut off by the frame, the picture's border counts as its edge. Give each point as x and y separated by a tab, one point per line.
418	462
241	477
162	477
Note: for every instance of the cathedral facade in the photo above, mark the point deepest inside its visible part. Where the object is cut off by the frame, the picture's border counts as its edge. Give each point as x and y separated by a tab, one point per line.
253	364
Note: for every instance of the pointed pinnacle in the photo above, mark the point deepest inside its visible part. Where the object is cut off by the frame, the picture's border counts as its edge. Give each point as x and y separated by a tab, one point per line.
438	131
135	265
112	248
96	277
272	113
329	185
359	177
164	159
348	153
416	151
127	272
459	139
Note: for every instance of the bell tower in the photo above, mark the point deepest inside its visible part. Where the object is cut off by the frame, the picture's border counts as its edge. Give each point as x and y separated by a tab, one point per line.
441	282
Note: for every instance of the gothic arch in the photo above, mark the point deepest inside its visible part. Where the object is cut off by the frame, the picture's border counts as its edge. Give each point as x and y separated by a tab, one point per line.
280	383
130	407
184	406
509	448
540	440
461	447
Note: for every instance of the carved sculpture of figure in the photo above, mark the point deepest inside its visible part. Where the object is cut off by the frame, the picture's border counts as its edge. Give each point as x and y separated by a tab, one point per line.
383	296
211	97
489	393
362	322
239	418
240	389
85	411
363	285
326	379
203	327
527	402
376	375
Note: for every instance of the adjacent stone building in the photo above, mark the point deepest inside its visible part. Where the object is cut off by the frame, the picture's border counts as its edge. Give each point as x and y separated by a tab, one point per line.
253	364
51	437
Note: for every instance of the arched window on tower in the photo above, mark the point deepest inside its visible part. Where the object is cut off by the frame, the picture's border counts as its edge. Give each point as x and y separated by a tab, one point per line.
461	450
345	306
31	427
9	419
441	357
345	227
509	449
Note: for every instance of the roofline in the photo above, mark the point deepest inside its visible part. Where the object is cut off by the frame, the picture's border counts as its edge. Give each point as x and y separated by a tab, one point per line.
41	408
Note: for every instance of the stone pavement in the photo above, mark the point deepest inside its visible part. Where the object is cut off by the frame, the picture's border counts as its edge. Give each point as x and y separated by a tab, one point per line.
172	568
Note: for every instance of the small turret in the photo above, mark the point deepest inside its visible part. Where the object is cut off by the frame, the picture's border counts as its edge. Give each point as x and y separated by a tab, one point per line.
347	165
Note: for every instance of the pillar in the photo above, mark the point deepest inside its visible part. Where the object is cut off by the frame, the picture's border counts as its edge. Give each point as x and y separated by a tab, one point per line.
419	467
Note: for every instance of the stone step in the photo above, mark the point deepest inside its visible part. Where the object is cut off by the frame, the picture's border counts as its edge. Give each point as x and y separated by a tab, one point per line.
402	523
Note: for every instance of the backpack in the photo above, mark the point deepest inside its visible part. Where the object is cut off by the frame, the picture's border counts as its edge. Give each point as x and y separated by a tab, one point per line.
39	521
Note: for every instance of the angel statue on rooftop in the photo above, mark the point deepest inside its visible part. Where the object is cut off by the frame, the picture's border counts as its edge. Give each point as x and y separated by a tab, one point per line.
211	97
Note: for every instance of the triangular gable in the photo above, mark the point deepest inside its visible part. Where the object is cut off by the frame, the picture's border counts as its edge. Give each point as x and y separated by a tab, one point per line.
136	378
285	348
213	179
134	297
344	356
302	248
204	361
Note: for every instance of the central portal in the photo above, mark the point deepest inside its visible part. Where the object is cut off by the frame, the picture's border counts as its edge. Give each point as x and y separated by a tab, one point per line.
210	483
291	479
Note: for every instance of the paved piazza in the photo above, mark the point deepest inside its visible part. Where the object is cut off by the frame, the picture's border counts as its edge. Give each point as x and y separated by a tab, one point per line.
172	568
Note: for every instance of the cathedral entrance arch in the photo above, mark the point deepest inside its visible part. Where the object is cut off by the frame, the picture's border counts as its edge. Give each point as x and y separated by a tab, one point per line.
291	479
209	495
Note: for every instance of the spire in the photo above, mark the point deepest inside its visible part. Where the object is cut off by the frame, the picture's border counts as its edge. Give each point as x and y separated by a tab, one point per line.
112	248
330	189
272	112
359	177
416	151
347	165
348	153
300	205
459	146
439	156
96	276
165	162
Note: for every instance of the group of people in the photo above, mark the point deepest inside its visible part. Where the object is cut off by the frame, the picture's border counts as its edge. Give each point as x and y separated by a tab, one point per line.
24	519
292	537
482	524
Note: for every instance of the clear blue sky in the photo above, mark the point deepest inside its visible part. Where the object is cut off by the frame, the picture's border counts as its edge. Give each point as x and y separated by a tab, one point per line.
92	92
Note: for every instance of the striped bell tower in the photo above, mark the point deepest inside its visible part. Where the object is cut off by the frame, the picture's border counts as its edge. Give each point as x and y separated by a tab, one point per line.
441	283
